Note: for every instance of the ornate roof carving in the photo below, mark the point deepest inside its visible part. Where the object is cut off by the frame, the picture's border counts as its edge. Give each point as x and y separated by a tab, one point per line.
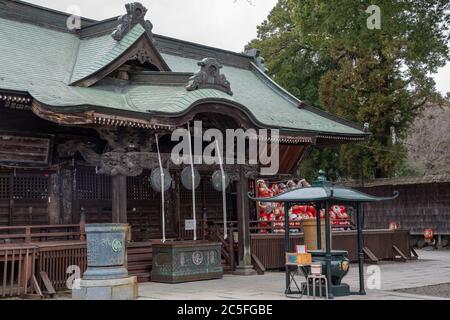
209	77
135	15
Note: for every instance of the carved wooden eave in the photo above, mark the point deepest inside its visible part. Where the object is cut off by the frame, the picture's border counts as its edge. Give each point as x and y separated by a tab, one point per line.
341	138
122	121
73	118
209	77
20	101
15	98
96	118
91	117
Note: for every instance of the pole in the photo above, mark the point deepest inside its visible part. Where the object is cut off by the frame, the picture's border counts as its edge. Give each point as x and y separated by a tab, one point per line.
163	215
224	194
328	248
193	185
319	227
287	207
359	224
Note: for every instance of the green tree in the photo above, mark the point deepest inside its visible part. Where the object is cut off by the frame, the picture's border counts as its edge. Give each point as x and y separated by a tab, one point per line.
325	54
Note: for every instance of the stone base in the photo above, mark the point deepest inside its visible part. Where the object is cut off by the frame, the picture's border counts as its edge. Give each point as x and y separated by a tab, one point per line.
112	289
245	271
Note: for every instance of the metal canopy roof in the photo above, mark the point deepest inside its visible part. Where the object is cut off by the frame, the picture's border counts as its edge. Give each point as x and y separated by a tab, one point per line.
323	190
312	194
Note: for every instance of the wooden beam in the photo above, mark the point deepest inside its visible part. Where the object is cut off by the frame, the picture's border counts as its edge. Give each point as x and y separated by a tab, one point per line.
414	256
36	287
119	199
47	283
245	266
401	254
370	254
259	266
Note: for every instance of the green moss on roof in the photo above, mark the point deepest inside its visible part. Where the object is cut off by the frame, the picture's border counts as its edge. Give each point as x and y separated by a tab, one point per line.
44	62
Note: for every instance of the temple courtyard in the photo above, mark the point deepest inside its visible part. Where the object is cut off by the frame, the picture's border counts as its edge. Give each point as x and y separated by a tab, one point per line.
423	279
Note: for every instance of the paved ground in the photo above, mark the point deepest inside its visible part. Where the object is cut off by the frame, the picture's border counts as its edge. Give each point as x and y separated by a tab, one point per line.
431	269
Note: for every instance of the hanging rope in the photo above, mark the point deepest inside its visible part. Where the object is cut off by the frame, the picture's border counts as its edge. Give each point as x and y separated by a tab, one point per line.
193	184
224	193
163	216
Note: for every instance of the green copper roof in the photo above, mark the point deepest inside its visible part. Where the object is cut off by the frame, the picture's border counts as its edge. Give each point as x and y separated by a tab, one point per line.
96	53
45	62
311	194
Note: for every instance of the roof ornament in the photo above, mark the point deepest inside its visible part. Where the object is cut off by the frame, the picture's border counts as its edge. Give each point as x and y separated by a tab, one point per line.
135	15
256	55
209	77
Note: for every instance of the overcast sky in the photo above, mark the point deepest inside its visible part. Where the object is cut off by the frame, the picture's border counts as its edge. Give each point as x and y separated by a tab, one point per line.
227	24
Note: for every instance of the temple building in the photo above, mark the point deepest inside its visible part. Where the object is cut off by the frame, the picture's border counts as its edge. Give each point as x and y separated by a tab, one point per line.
82	108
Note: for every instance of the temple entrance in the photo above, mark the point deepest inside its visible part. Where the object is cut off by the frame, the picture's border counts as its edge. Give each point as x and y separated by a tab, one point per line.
93	196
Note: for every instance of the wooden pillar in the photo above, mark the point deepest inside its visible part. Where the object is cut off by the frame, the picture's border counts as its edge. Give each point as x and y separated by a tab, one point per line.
54	206
245	266
119	199
67	197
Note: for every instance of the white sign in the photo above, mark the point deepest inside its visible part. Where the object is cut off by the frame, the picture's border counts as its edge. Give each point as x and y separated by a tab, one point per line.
189	225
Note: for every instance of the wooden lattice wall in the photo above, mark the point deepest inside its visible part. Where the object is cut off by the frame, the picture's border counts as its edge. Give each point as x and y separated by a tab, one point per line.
24	198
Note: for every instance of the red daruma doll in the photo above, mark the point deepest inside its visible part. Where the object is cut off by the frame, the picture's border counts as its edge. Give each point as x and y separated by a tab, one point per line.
311	212
263	217
428	234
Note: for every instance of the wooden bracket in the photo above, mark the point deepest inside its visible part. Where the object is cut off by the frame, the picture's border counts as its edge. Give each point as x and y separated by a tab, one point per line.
47	283
257	264
403	257
36	287
371	255
414	255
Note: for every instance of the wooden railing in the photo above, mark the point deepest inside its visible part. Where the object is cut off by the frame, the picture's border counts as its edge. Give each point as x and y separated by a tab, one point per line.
18	269
39	233
31	255
216	233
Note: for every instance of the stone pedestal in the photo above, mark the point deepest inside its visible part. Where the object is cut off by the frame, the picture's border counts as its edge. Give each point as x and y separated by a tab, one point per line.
245	271
111	289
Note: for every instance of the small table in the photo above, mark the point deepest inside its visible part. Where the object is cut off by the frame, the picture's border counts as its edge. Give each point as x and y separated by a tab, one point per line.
296	270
